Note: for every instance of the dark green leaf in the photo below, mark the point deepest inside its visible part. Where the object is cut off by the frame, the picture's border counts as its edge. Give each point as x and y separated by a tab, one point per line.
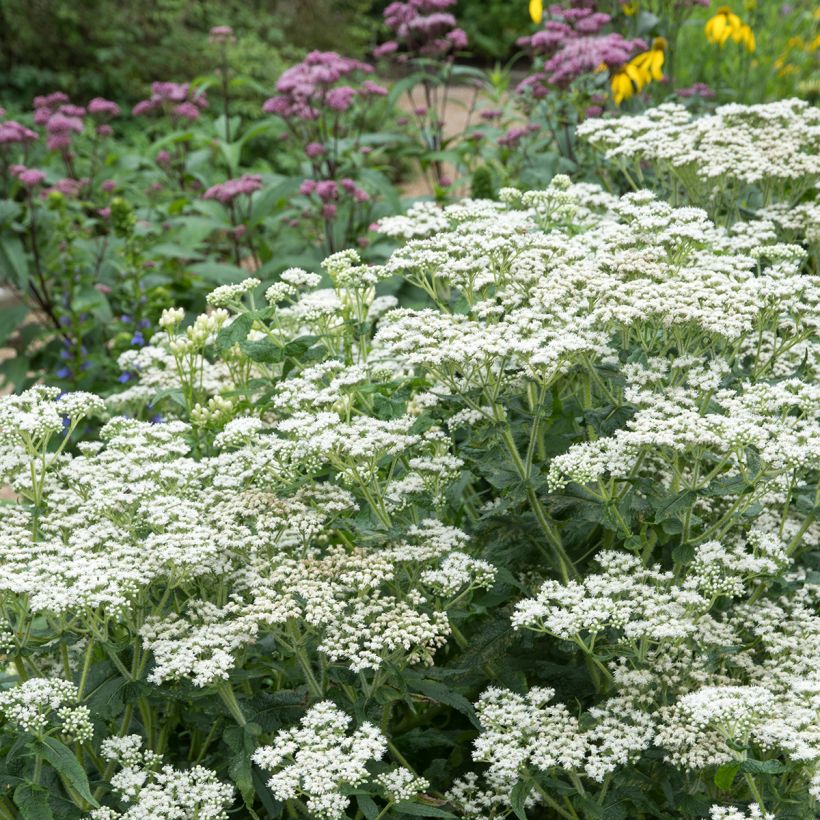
674	505
752	766
62	759
441	694
367	806
32	801
518	797
421	810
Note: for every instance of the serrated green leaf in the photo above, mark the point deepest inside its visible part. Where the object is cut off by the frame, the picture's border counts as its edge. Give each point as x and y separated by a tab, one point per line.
751	766
234	333
518	797
674	505
32	801
62	760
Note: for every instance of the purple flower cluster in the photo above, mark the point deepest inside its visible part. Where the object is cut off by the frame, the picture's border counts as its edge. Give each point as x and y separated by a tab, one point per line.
61	119
221	35
100	107
696	90
572	44
30	177
12	131
310	86
512	137
422	28
178	99
227	192
328	191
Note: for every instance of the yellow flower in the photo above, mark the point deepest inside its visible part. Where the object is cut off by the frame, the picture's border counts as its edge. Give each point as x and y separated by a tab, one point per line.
719	28
745	35
631	9
622	88
726	24
650	63
536	10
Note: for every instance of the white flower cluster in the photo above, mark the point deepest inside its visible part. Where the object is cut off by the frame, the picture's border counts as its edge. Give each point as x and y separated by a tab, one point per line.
775	146
39	703
640	602
158	792
226	295
317	759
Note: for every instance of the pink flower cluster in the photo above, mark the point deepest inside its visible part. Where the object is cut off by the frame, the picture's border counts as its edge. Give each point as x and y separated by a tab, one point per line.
422	28
30	177
61	119
696	90
221	35
328	191
12	131
227	192
310	86
573	45
517	133
100	107
179	99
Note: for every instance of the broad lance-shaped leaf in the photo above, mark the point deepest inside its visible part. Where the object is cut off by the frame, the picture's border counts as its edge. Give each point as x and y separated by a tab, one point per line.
63	761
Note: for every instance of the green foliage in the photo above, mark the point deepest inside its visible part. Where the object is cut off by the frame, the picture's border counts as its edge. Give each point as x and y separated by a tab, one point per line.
108	48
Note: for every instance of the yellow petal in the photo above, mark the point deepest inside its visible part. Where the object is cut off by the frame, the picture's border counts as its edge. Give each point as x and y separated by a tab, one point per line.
637	75
656	64
621	87
536	10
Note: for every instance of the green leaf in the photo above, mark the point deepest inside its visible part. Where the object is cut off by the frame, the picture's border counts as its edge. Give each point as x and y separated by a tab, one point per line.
242	742
725	776
421	810
11	318
518	797
169	250
674	505
234	333
13	262
262	350
367	806
441	694
219	272
62	759
32	801
683	553
751	766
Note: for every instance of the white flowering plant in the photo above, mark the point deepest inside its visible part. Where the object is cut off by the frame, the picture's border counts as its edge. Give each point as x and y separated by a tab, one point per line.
543	546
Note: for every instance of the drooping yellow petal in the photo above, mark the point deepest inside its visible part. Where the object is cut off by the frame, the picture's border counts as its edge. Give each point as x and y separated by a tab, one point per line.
656	64
631	9
536	10
637	75
621	87
748	38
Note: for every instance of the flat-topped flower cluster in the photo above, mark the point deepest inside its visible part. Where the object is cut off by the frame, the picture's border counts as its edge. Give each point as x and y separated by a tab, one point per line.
742	156
556	523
